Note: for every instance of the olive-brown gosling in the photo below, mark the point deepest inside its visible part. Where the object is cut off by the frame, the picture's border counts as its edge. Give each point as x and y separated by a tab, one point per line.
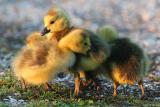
85	64
126	64
89	76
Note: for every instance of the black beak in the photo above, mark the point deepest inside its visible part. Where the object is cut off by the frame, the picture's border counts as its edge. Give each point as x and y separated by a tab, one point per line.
45	31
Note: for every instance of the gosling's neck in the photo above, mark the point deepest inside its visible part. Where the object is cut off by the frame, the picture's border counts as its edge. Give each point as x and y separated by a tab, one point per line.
59	34
51	36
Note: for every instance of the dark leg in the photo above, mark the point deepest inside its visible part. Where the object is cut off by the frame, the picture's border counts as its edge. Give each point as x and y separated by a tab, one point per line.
115	86
90	79
48	87
87	83
97	83
85	78
140	84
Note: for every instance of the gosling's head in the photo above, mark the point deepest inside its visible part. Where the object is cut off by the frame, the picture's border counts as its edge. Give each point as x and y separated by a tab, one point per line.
34	38
56	20
108	33
77	41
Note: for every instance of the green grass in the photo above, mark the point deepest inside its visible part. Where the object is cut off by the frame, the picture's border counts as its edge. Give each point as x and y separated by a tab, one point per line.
157	78
3	105
62	96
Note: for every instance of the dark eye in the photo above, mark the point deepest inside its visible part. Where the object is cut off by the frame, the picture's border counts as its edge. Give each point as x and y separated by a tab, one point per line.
85	43
52	22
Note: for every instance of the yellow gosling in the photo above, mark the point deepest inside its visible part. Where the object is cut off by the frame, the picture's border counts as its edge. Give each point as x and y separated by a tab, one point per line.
40	64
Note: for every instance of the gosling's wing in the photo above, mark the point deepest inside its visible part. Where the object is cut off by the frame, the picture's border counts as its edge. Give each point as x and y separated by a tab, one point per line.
99	48
40	55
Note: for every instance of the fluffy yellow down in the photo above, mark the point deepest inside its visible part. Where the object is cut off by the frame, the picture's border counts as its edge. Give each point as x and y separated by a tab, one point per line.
39	63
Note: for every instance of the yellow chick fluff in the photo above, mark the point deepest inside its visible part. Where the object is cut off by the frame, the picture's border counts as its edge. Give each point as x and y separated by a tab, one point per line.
38	63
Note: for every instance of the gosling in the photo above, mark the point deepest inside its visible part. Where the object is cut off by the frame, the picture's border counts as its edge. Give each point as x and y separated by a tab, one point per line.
38	63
